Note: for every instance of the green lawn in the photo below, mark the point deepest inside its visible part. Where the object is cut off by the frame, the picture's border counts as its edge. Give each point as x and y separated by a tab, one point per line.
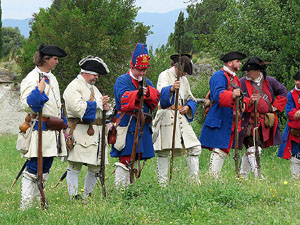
229	201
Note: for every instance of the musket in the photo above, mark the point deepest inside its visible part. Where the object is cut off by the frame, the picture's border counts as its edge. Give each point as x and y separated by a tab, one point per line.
102	163
61	179
201	100
40	156
257	157
19	174
236	136
137	138
179	74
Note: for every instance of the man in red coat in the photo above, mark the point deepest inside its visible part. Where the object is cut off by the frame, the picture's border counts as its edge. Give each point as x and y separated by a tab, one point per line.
271	97
290	148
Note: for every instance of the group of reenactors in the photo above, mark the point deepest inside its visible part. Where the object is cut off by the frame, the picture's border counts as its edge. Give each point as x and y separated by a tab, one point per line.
137	137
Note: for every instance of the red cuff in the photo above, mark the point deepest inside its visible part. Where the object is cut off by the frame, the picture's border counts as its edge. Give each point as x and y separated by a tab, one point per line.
225	98
280	103
294	124
291	114
152	97
129	101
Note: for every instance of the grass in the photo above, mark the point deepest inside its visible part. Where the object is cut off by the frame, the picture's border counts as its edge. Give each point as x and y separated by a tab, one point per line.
229	201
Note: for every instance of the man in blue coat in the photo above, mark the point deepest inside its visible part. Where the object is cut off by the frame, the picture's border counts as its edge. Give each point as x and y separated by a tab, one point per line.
218	129
128	90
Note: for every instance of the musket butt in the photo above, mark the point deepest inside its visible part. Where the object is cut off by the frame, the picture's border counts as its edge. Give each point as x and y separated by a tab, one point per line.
13	184
56	184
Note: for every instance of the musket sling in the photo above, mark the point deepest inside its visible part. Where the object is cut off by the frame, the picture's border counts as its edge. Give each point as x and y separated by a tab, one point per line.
269	119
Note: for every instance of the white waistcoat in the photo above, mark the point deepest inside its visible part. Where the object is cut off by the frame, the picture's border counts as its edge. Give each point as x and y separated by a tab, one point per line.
51	108
165	117
86	147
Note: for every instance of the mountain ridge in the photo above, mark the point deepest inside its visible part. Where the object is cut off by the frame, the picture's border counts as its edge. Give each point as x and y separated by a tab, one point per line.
162	24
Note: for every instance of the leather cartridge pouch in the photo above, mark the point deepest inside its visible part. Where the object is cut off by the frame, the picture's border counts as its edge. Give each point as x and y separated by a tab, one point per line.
112	132
55	124
269	120
112	135
70	139
148	117
295	132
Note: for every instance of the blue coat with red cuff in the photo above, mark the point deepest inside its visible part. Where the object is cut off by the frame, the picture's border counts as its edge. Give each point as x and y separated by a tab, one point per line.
290	145
219	123
125	90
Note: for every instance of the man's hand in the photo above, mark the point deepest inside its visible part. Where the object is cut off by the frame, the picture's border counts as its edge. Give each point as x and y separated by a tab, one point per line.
236	93
254	98
105	99
297	115
41	85
184	109
175	86
142	91
106	106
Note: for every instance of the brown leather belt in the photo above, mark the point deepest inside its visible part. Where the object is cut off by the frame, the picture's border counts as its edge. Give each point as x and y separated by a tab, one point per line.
97	122
148	116
172	107
127	113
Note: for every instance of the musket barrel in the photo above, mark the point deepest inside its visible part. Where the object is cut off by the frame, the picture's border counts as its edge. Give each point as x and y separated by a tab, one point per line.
40	157
138	128
102	163
257	157
179	68
236	135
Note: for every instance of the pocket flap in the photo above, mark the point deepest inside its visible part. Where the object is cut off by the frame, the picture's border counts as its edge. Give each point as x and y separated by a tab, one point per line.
212	122
81	137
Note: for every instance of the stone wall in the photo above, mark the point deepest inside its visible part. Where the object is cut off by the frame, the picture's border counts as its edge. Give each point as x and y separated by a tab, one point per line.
11	115
200	69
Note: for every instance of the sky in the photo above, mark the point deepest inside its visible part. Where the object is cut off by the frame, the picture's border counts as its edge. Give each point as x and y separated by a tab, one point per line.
23	9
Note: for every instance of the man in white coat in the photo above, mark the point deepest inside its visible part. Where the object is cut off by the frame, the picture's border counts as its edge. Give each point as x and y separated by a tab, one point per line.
40	91
185	139
84	106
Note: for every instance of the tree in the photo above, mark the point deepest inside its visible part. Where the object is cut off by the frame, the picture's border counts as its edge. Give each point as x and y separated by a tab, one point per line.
197	29
181	40
269	29
104	28
12	41
176	38
203	19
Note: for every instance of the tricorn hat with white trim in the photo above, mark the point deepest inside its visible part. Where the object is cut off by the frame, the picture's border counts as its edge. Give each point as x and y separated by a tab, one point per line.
93	65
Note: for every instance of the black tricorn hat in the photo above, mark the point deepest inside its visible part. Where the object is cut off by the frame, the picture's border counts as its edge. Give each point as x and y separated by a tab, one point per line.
254	63
94	65
52	50
297	75
186	59
229	56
